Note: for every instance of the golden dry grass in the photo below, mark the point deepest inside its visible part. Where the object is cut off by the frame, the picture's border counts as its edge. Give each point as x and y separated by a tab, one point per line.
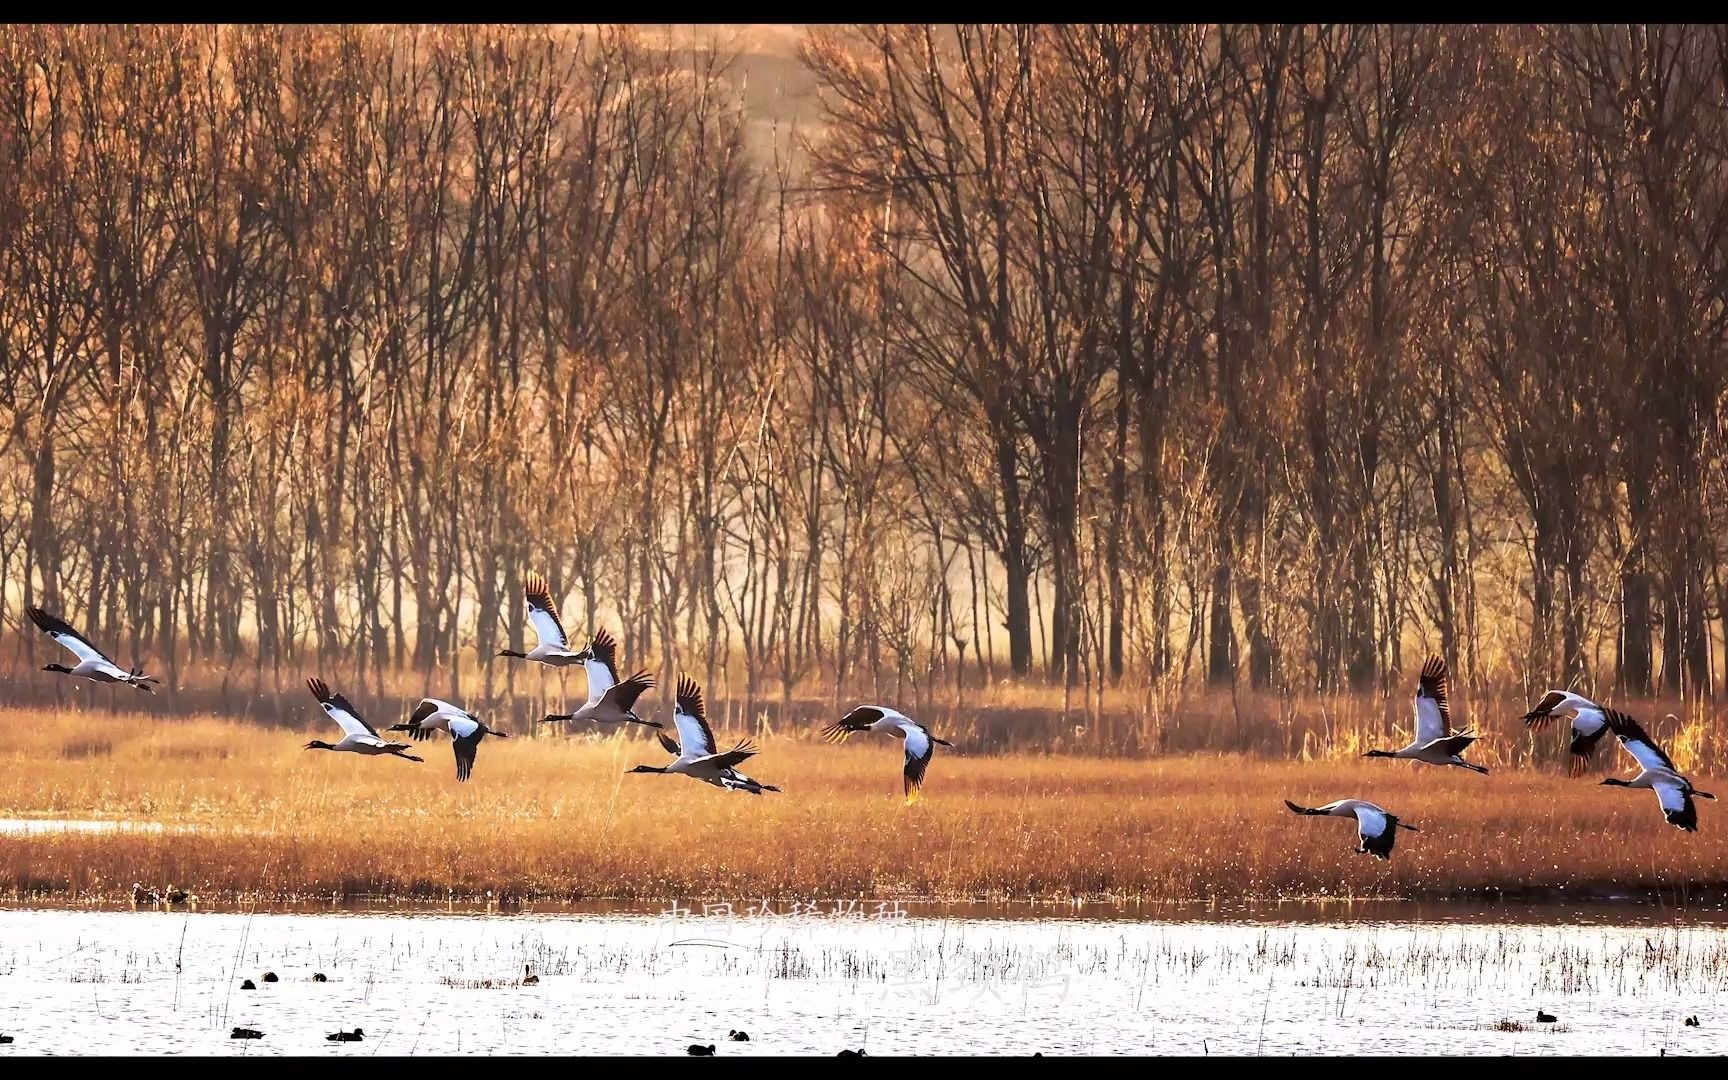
1001	716
557	819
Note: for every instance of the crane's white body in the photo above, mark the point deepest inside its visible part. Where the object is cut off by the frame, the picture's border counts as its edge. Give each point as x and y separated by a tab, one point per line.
1434	743
920	744
1376	829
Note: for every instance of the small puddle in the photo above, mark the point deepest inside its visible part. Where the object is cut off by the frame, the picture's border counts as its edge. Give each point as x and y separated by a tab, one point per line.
20	826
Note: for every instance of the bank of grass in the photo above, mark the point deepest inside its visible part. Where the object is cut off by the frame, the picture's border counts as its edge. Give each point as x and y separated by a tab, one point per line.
246	814
994	717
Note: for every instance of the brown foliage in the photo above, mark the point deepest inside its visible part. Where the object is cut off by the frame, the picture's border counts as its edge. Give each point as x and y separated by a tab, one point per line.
1273	355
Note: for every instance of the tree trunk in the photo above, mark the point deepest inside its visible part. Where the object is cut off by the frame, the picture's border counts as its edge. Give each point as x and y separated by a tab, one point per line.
1015	559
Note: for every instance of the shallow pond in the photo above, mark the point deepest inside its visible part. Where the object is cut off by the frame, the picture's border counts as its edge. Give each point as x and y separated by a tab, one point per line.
814	981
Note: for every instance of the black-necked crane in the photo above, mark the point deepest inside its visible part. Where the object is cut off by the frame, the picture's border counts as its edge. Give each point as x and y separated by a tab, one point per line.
600	661
920	744
145	895
465	736
358	737
1656	773
615	705
690	717
1588	725
552	645
609	701
92	664
432	714
1434	742
1376	830
697	757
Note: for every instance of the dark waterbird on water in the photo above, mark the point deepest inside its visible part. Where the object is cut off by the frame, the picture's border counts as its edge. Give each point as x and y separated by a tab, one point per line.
245	1033
698	1050
1545	1018
738	1036
528	976
1691	1021
851	1053
345	1036
268	976
248	985
318	976
5	1039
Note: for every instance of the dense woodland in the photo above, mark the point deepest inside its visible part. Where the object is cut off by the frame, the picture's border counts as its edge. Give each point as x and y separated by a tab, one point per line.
1256	356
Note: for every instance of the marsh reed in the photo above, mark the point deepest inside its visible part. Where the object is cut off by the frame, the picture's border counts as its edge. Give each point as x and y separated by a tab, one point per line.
246	814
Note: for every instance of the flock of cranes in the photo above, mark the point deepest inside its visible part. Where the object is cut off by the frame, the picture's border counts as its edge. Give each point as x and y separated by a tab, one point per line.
610	701
1436	744
696	754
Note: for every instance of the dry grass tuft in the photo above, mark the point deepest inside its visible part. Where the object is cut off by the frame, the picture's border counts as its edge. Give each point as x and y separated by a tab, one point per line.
557	819
79	748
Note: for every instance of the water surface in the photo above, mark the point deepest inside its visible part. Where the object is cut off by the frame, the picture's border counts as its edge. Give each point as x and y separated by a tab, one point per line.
652	983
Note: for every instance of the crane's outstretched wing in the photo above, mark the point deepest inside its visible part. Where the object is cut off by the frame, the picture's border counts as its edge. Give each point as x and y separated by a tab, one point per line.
1637	742
543	613
1433	710
346	716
